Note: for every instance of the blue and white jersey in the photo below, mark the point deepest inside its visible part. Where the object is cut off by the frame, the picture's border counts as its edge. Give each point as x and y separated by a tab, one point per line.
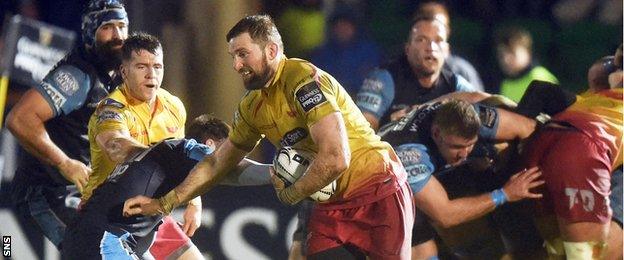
72	89
417	164
65	88
411	139
394	87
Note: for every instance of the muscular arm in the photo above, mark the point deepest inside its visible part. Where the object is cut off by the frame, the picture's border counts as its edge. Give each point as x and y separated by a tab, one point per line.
434	201
118	145
332	159
247	173
26	122
513	126
210	171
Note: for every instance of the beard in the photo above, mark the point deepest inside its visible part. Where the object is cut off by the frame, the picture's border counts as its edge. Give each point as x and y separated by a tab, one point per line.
109	54
259	78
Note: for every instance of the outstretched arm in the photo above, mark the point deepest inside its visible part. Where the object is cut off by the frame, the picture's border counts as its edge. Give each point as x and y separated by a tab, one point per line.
206	174
26	122
434	201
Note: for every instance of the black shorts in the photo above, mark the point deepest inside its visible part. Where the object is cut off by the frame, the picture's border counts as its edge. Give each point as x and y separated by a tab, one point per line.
422	231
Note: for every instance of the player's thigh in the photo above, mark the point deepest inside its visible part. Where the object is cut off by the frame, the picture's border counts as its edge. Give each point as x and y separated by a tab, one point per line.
577	175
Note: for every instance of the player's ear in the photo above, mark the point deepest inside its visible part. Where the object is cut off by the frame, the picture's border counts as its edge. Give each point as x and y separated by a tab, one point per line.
435	131
210	143
271	50
123	70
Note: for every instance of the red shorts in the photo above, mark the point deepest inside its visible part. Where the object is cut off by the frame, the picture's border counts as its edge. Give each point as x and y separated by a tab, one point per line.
576	169
170	241
382	229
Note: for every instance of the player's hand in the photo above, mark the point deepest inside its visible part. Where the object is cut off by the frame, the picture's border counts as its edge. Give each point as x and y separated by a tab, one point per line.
192	219
399	114
141	205
76	172
519	185
278	184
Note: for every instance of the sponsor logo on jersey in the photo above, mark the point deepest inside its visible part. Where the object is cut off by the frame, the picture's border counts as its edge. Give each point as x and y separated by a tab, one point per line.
488	116
172	129
294	136
373	85
415	163
58	99
369	100
66	82
418	116
310	96
108	115
113	103
137	133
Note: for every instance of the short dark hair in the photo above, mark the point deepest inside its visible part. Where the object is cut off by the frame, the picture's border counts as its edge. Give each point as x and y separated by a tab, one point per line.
206	127
425	18
261	29
458	117
433	8
513	36
139	41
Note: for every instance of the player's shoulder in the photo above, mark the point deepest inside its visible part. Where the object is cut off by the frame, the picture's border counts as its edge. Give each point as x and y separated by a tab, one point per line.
68	78
416	158
297	72
416	150
115	100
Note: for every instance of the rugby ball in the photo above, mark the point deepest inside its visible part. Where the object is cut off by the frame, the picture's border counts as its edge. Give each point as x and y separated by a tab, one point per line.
290	164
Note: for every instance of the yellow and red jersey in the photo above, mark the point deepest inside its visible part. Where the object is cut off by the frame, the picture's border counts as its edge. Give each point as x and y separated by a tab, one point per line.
298	96
599	114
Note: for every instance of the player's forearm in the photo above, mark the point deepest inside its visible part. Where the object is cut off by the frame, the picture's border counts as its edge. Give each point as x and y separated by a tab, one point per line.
201	179
322	171
33	137
248	173
462	210
118	149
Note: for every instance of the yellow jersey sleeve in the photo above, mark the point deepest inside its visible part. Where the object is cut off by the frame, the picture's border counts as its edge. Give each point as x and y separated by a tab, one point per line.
110	116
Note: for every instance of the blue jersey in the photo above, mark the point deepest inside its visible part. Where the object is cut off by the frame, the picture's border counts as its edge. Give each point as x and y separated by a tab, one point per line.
394	87
412	141
151	173
72	89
